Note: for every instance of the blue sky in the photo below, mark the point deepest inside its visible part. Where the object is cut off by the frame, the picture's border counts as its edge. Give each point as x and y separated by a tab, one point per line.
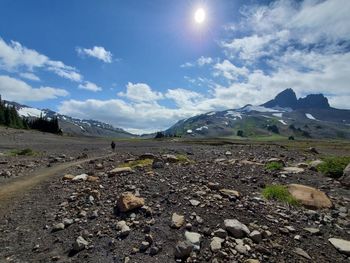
143	65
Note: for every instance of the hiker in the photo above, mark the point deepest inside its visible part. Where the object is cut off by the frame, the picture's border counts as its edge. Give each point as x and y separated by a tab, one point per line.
113	146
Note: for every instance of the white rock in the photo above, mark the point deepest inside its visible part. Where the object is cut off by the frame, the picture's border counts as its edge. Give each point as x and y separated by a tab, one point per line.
194	238
80	244
236	228
343	246
81	177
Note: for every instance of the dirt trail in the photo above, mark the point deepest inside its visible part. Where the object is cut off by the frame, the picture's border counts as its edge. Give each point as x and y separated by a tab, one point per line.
13	188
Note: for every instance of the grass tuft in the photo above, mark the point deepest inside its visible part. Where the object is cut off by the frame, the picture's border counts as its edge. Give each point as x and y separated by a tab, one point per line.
279	193
24	152
273	166
333	166
183	158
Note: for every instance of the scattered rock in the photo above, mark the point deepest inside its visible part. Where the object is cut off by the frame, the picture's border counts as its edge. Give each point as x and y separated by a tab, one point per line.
177	220
345	179
255	236
194	202
123	228
80	244
183	249
232	194
68	177
58	227
120	170
194	238
127	201
236	228
81	177
292	170
215	244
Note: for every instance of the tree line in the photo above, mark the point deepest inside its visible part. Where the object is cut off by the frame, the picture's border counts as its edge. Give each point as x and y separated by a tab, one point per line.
9	117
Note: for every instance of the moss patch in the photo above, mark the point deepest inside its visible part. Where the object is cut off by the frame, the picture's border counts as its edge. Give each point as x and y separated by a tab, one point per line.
279	193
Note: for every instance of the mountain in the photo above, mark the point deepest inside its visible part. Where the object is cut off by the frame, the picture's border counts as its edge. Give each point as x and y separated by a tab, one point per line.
288	99
73	126
284	116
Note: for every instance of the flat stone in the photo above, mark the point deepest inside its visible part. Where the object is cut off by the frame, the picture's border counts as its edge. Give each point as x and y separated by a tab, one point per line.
229	193
343	246
80	177
292	170
302	253
255	236
313	231
120	170
309	197
68	177
58	227
236	228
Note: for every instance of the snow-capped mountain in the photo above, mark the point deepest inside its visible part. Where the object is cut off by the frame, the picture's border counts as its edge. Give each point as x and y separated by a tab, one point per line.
284	116
73	126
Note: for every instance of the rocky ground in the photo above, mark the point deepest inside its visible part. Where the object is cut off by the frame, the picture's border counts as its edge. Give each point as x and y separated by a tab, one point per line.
167	202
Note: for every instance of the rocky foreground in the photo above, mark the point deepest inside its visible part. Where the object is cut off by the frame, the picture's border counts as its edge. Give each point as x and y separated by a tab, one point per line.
189	204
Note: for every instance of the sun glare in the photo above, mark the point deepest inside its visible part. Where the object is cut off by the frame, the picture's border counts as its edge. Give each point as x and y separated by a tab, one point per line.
199	16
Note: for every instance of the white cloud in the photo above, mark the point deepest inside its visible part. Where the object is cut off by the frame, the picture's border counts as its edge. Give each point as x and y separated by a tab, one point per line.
229	70
18	90
140	92
200	62
87	85
30	76
14	56
97	52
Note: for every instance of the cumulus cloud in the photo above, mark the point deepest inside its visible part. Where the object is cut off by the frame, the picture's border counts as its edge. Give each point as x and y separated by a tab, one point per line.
140	92
229	70
14	56
97	52
18	90
87	85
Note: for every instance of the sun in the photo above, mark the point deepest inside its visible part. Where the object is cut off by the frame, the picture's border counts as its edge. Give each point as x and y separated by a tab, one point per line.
199	16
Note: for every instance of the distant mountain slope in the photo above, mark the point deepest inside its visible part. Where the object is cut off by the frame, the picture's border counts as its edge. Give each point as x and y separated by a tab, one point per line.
285	115
73	126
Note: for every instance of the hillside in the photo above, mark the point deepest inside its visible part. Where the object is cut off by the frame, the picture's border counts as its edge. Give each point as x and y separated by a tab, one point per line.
284	116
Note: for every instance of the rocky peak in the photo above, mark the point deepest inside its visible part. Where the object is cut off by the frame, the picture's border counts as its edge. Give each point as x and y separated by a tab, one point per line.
288	99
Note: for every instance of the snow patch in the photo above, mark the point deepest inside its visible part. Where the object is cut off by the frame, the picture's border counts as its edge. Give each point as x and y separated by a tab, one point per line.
200	128
279	115
30	112
189	131
211	113
234	114
257	108
283	122
309	116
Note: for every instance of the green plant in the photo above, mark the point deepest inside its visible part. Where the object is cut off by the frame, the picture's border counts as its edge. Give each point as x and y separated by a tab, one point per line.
279	193
333	166
273	166
24	152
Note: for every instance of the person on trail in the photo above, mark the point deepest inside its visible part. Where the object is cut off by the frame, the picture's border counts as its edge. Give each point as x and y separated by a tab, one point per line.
113	146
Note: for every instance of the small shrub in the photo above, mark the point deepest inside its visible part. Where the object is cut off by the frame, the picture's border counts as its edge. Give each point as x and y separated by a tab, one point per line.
273	128
291	138
240	133
279	193
273	166
333	166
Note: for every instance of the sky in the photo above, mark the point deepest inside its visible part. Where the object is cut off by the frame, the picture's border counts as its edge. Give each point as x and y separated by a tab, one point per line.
144	65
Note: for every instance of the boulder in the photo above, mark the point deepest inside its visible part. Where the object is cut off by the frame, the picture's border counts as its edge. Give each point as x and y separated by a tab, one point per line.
236	228
343	246
309	197
127	201
313	165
